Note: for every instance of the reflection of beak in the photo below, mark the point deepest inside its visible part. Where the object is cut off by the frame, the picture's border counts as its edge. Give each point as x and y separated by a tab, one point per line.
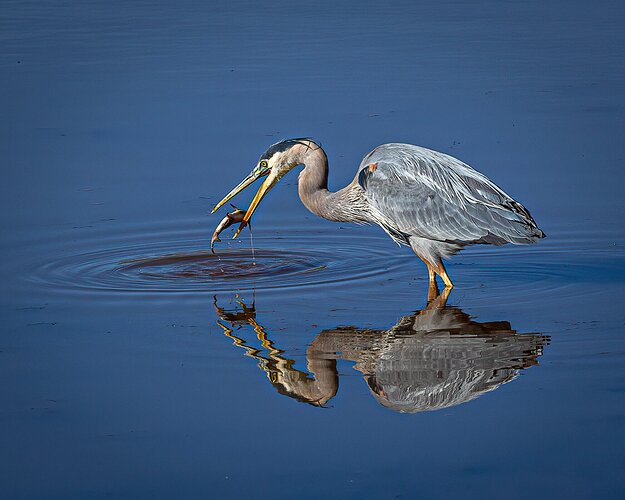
242	185
265	187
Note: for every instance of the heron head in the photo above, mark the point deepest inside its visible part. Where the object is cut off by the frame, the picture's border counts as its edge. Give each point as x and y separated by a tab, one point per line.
273	164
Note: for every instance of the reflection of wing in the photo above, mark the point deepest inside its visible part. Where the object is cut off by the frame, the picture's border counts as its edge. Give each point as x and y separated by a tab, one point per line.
443	370
434	359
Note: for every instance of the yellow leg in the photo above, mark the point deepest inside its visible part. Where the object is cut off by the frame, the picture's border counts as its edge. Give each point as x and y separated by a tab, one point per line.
432	288
442	272
431	274
437	268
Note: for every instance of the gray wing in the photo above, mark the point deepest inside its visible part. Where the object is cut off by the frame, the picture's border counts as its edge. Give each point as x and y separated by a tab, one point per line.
415	191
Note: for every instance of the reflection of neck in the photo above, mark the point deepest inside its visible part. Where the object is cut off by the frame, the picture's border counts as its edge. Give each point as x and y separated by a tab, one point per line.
280	372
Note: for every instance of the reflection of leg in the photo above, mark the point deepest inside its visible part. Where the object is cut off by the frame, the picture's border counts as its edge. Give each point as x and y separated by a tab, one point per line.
432	288
438	301
445	295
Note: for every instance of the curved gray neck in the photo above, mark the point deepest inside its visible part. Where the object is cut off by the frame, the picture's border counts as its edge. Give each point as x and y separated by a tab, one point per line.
312	188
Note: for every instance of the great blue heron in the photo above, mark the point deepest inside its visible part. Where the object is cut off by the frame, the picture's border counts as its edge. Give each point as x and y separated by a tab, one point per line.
430	201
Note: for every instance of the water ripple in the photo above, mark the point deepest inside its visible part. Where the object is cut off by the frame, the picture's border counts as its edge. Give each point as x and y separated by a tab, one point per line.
174	262
176	259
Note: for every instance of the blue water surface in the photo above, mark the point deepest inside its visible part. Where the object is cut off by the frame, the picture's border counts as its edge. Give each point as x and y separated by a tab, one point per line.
136	364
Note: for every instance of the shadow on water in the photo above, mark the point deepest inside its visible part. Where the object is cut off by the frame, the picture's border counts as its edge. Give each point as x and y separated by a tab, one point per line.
435	358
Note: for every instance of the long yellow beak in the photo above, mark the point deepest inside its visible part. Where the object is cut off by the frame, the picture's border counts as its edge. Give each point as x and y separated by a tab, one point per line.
242	185
265	187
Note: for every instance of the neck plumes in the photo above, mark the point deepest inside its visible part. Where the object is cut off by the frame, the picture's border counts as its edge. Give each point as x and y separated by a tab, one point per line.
312	187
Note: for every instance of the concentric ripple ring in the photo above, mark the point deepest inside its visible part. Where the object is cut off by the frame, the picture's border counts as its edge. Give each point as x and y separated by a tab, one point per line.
179	262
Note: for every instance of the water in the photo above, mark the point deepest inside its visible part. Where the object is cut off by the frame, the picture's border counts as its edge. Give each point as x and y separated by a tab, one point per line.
135	363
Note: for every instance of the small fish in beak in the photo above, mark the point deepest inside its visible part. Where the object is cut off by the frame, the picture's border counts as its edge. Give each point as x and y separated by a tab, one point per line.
274	164
265	187
230	219
271	178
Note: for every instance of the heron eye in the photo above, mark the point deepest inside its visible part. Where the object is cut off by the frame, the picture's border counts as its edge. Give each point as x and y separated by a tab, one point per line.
264	164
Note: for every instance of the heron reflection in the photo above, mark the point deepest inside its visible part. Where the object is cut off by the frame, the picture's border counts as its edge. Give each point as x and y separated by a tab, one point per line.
435	358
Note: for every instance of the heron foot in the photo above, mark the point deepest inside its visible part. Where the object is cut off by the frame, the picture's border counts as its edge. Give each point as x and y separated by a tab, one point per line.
442	272
447	281
437	269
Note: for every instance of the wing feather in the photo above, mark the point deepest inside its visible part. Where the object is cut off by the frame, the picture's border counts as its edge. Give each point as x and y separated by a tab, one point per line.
423	193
